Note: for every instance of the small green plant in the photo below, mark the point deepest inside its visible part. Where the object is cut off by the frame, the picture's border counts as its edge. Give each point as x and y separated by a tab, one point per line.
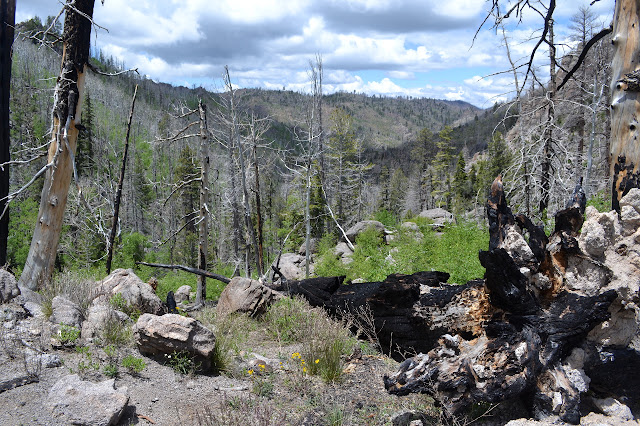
116	333
182	362
110	370
133	364
600	201
68	335
118	302
262	382
287	319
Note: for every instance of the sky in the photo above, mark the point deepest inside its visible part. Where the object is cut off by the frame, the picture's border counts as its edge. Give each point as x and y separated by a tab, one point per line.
418	48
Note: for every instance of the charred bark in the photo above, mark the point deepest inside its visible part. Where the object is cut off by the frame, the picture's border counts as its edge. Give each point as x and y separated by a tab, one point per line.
7	22
116	203
62	147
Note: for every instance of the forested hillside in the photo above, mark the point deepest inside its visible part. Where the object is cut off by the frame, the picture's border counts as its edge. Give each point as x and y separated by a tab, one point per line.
375	148
278	157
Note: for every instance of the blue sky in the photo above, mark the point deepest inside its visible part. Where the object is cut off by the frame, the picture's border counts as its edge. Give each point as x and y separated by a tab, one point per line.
420	48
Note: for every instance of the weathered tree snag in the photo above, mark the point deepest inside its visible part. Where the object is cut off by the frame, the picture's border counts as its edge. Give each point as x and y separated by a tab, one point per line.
7	22
499	214
625	101
116	203
203	228
66	113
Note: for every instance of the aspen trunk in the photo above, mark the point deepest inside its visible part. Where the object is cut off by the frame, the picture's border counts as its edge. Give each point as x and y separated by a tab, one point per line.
67	108
625	106
203	247
7	21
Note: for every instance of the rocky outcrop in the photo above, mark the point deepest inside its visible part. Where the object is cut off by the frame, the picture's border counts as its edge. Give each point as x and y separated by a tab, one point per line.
66	312
8	286
158	335
99	319
182	294
134	291
292	266
439	216
353	232
244	295
74	401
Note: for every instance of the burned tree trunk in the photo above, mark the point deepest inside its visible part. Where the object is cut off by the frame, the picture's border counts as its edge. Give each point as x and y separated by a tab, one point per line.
203	228
67	109
534	320
116	203
7	22
625	101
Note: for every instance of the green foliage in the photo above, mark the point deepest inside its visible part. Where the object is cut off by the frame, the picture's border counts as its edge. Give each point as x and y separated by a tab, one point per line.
110	370
22	219
287	319
131	249
601	201
134	365
369	258
182	362
328	264
385	217
68	334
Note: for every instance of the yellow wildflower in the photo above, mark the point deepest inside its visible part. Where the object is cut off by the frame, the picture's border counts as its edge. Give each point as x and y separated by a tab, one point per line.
317	361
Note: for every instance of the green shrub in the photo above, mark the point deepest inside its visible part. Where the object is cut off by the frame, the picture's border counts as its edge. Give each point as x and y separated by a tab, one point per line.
110	370
68	334
601	200
182	362
133	364
288	319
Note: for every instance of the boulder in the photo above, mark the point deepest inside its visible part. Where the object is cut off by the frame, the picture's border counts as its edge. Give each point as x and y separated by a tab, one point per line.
613	408
245	295
99	317
64	311
182	294
8	286
78	402
292	266
353	232
135	292
158	335
343	251
313	247
439	216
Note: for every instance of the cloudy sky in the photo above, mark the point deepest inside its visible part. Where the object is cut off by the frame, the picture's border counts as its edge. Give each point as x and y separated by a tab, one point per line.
420	48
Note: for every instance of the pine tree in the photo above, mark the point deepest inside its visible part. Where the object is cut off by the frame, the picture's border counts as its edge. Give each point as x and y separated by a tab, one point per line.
84	152
441	168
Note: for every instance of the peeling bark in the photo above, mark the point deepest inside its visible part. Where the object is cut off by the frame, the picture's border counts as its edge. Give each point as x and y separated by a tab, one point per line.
66	113
625	101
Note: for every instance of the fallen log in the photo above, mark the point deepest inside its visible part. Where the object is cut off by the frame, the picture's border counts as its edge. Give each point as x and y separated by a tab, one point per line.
196	271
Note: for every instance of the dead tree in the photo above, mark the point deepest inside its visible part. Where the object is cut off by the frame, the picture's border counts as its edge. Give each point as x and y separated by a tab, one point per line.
66	114
625	101
116	203
7	22
201	219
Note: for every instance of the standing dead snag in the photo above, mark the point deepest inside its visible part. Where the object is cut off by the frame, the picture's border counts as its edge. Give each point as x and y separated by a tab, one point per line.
7	22
625	100
67	107
116	204
203	228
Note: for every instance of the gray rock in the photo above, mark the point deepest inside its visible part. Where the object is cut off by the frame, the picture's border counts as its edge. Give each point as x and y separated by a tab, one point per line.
292	266
353	232
313	247
64	311
46	360
182	294
245	295
342	249
632	199
157	335
99	317
408	418
8	286
517	247
79	402
135	292
630	219
440	217
613	408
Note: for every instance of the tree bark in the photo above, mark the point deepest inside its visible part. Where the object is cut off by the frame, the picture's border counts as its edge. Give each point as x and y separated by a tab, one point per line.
203	229
625	103
116	204
66	114
7	22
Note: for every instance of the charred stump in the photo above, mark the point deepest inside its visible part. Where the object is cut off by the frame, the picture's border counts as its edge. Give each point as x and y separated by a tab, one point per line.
530	340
